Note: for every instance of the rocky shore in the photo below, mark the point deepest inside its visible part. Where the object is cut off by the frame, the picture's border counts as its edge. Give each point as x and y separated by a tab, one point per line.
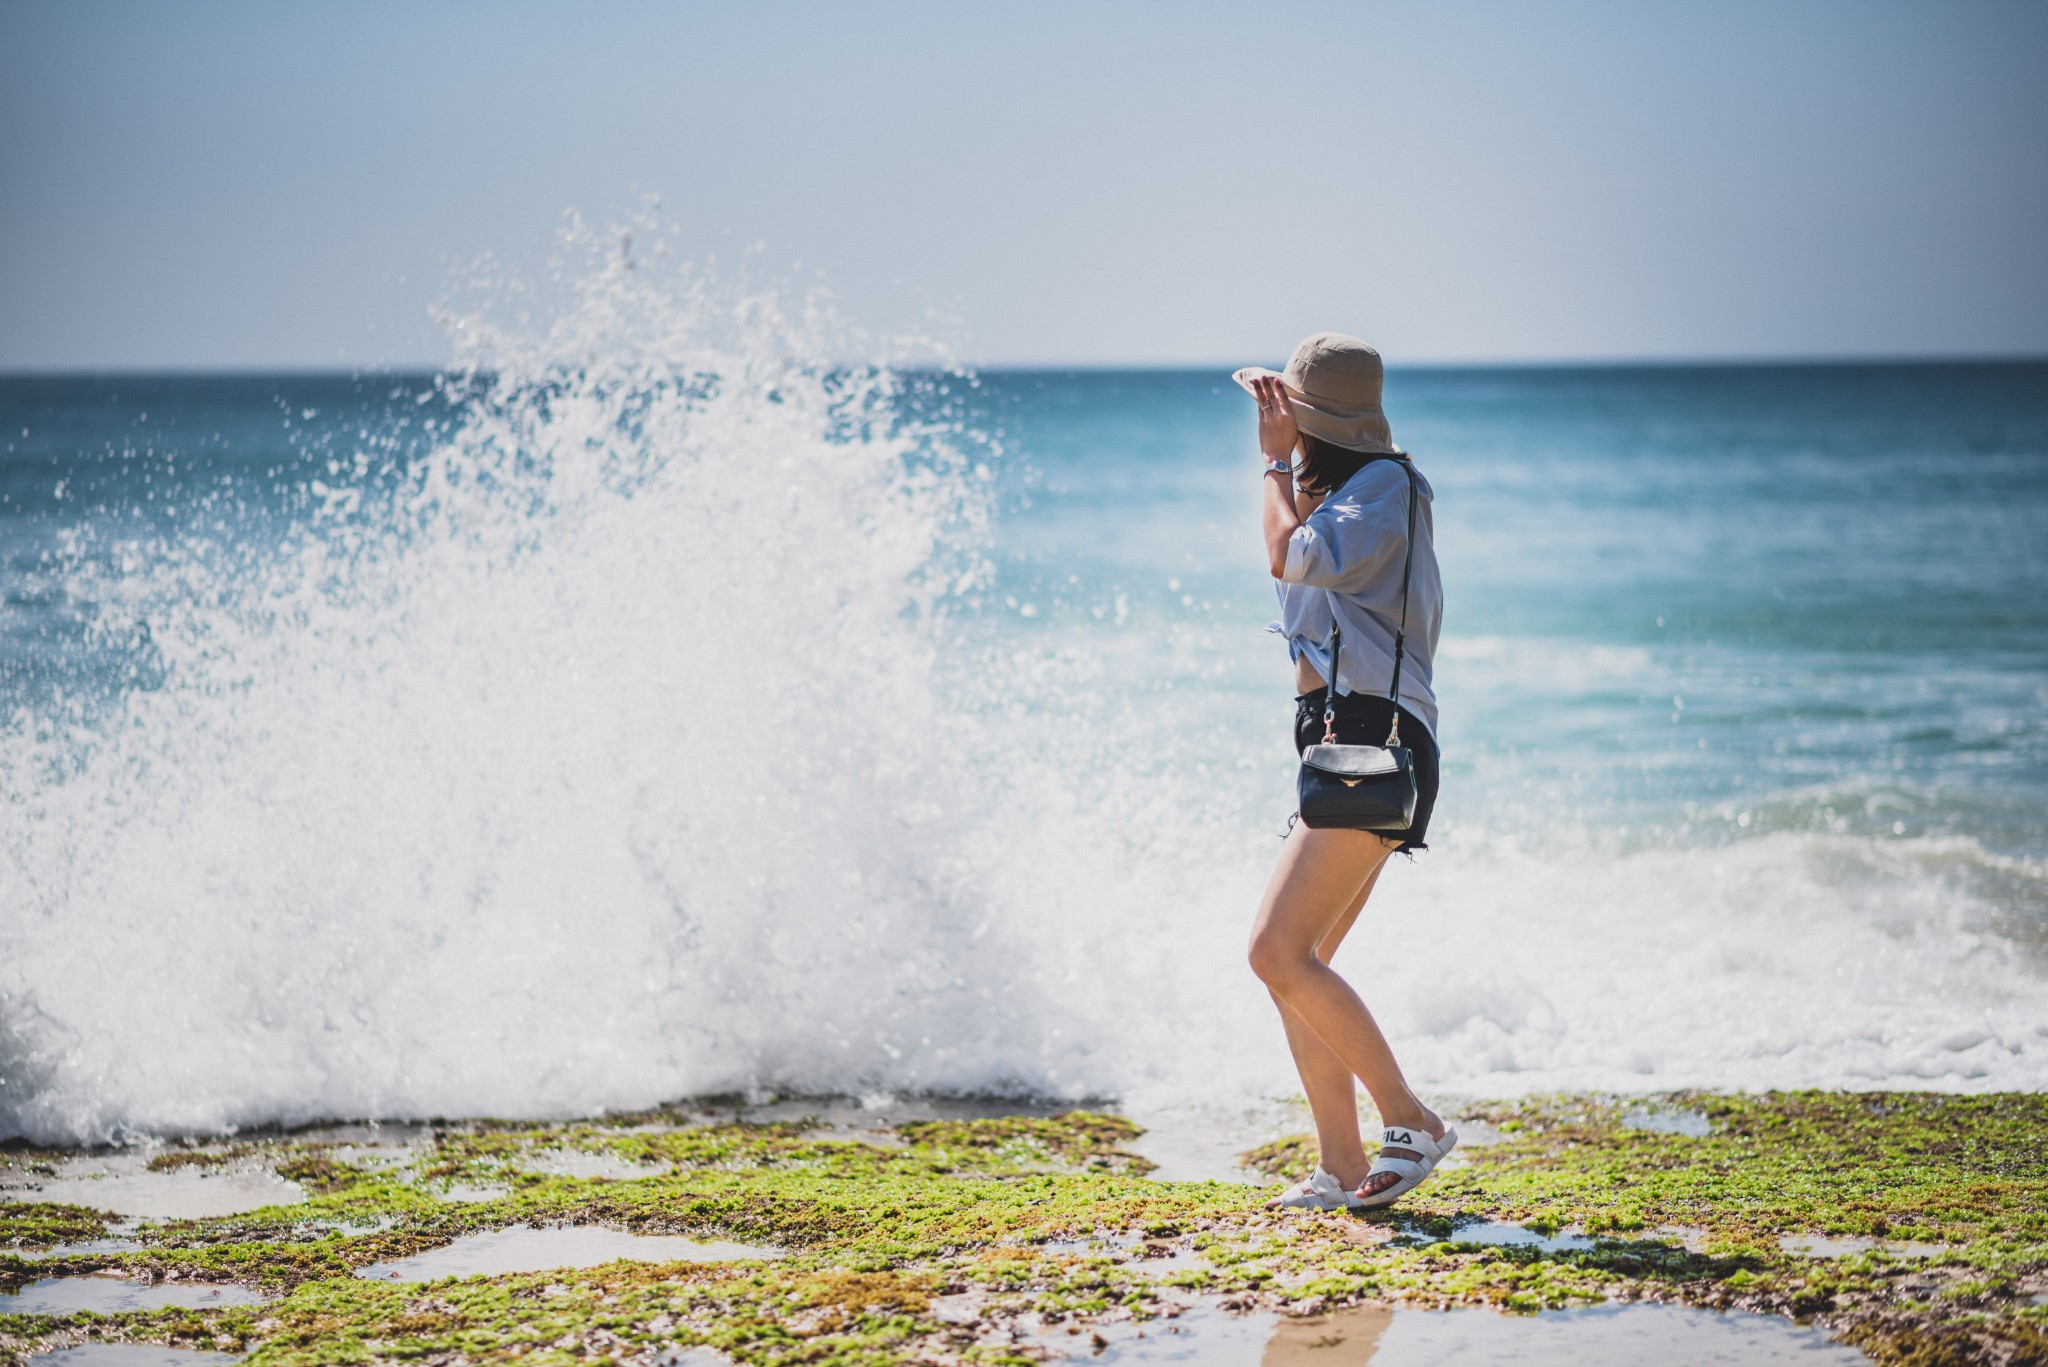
1911	1227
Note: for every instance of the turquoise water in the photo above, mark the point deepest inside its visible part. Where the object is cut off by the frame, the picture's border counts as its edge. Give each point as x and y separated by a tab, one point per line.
1687	605
597	732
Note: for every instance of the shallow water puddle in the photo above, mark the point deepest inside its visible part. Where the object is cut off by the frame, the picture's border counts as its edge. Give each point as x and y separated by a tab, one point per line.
1605	1336
524	1248
1497	1234
1668	1120
1204	1142
90	1246
124	1185
1169	1264
1602	1336
113	1295
472	1193
128	1355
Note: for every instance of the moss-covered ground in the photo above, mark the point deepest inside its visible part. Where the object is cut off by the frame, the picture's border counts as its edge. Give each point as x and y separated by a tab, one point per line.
936	1241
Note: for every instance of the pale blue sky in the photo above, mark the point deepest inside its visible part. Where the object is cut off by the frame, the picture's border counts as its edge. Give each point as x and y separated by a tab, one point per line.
206	183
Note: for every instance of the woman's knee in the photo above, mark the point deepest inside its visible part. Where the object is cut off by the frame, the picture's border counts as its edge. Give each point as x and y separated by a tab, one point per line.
1276	960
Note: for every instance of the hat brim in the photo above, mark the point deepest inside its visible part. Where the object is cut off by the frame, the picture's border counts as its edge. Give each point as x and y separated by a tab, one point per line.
1355	429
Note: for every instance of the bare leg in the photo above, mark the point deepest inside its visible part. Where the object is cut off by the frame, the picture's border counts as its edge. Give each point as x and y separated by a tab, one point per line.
1327	1083
1321	878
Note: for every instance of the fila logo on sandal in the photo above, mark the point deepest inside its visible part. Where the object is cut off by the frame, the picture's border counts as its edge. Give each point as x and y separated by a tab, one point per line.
1399	1137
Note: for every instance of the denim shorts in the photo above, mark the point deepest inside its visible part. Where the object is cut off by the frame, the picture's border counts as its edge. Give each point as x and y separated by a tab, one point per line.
1363	719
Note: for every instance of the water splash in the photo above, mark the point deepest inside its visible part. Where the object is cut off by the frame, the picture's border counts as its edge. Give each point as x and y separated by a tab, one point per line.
599	759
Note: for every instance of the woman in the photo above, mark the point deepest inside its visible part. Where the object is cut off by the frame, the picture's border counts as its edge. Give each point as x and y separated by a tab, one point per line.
1336	528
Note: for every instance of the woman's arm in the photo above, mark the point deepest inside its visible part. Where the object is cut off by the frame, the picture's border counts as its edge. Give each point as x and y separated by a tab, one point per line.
1277	438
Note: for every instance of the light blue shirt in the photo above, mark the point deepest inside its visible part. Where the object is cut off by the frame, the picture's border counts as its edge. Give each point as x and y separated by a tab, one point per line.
1347	556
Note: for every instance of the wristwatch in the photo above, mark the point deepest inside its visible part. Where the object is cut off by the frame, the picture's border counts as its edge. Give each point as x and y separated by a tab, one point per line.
1279	467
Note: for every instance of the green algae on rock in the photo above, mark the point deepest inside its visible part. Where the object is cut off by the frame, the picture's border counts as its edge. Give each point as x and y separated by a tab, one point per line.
1022	1221
44	1224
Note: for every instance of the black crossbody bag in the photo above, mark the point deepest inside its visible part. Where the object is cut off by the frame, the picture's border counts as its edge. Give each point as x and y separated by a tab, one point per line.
1362	787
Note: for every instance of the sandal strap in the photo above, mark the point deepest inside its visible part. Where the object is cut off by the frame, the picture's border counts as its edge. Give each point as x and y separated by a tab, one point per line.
1400	1167
1415	1139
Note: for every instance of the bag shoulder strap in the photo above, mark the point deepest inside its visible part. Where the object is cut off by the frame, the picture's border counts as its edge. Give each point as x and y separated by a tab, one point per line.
1400	634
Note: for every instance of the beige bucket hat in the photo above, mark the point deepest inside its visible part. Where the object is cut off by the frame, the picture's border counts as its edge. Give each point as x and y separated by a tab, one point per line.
1334	384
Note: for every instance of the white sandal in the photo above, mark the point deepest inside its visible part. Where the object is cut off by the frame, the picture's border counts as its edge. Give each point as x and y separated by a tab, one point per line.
1320	1191
1411	1171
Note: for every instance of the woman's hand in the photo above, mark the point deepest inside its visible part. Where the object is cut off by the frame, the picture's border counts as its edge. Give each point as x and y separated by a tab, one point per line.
1277	432
1277	437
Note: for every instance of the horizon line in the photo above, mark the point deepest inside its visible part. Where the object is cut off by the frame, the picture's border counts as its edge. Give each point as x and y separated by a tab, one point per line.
1223	368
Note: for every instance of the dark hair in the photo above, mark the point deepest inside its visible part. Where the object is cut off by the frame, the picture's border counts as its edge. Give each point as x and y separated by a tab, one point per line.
1325	465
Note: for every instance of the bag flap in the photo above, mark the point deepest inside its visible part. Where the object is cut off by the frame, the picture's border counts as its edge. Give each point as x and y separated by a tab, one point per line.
1356	761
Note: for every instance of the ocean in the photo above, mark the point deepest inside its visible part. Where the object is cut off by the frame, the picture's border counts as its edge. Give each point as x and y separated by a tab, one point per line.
652	707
